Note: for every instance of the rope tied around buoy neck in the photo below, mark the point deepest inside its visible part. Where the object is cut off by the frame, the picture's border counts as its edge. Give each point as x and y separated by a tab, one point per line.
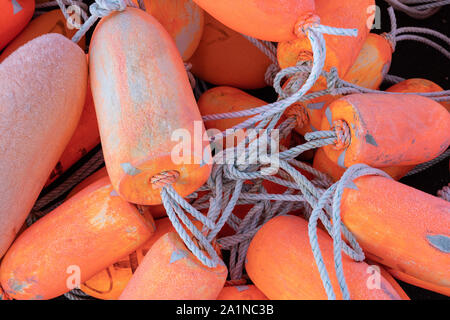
343	137
444	193
164	178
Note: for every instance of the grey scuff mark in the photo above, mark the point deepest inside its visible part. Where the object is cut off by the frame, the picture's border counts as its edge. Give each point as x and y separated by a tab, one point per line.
329	116
440	242
242	288
341	159
178	255
114	193
129	169
370	139
313	128
315	106
16	7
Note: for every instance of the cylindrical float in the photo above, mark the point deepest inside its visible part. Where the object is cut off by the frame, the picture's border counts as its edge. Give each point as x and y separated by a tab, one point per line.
49	22
182	19
109	283
14	16
242	292
220	59
372	63
169	271
400	227
383	130
43	87
281	264
148	117
87	233
262	19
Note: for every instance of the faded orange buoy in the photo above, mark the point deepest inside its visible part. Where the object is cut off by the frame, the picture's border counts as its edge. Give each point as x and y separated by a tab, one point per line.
281	264
417	130
242	292
14	16
182	19
85	138
139	106
49	22
400	227
87	233
262	19
219	58
169	271
418	85
109	283
372	63
40	111
341	52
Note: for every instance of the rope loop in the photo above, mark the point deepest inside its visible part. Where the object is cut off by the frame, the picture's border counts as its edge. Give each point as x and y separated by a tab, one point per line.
343	137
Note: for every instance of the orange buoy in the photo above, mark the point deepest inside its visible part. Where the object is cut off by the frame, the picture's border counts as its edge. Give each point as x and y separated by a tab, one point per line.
341	52
445	290
40	111
169	271
281	264
372	63
85	138
139	106
418	85
400	227
219	58
331	168
243	292
182	19
262	19
14	16
49	22
87	233
416	130
109	283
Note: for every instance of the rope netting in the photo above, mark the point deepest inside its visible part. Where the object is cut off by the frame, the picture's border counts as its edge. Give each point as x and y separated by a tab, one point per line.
242	180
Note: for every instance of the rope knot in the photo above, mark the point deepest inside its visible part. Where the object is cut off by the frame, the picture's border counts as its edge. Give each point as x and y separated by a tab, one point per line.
444	193
305	23
343	136
102	8
333	81
270	74
164	178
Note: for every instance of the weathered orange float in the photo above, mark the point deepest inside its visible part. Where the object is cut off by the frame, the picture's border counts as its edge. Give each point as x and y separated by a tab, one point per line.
49	22
109	283
169	271
400	227
85	138
139	106
372	63
87	233
418	85
14	16
40	111
281	264
415	132
219	58
182	19
243	292
262	19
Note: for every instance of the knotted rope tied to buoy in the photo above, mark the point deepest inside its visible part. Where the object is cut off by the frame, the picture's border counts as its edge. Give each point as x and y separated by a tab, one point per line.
66	7
418	9
444	193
